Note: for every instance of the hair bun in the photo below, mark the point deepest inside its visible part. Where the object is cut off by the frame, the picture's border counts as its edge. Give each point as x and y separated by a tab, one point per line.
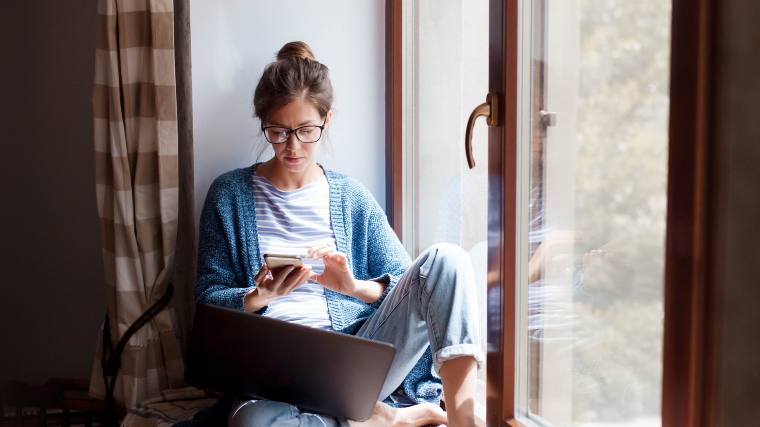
295	50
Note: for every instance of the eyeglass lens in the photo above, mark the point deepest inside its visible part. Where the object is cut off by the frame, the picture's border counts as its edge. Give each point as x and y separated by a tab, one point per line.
278	135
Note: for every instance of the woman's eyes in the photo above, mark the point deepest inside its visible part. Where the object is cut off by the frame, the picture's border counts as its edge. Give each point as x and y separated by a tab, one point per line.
307	131
304	133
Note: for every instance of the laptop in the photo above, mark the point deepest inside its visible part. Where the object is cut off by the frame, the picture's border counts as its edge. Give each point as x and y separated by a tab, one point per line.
257	357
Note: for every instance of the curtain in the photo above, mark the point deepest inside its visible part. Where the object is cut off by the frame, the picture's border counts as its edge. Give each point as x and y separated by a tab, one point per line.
136	168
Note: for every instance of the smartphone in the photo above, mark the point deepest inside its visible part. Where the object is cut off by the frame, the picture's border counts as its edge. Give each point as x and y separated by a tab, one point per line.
275	261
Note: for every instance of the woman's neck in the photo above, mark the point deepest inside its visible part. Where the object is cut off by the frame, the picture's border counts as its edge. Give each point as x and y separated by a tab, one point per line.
286	180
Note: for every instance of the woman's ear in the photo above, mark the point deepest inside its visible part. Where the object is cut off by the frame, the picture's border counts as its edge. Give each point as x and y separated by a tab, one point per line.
328	117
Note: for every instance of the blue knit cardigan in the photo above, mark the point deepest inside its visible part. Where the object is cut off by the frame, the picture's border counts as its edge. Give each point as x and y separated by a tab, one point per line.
229	256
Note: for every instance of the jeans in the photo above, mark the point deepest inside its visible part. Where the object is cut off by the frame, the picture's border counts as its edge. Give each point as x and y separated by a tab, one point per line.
432	304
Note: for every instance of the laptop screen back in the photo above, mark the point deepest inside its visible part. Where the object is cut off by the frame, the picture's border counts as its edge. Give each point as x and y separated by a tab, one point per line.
316	370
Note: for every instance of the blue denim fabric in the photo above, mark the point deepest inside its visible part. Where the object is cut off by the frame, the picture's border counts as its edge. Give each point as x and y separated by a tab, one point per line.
254	413
432	304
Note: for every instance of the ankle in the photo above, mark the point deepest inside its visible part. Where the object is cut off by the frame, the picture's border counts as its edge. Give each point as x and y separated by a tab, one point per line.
462	415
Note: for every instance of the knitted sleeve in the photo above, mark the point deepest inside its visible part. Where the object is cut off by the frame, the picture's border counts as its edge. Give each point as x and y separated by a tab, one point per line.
387	259
217	282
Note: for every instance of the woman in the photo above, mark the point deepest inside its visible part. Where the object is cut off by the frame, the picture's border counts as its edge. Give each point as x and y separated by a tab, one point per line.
359	281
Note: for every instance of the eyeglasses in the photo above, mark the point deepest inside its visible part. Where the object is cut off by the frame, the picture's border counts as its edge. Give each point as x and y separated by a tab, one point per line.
307	134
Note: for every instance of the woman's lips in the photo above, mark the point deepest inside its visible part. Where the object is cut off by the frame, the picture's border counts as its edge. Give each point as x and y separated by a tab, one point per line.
290	159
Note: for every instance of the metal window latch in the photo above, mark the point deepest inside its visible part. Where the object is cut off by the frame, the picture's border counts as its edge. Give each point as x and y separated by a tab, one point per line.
548	118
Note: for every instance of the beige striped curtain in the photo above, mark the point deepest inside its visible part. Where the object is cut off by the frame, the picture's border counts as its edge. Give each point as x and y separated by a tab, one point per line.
136	156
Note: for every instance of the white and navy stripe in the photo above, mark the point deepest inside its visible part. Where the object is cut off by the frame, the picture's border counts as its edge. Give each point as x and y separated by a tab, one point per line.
289	222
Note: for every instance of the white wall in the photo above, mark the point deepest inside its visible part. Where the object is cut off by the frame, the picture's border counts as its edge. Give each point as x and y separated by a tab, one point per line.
232	42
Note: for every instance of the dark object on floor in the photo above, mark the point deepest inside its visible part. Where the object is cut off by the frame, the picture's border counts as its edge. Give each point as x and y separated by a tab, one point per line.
111	357
59	401
215	416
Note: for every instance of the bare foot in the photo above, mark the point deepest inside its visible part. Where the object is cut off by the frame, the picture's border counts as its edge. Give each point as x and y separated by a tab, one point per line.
413	416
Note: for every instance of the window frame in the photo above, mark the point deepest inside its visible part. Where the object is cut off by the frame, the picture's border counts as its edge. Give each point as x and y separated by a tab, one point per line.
690	307
394	114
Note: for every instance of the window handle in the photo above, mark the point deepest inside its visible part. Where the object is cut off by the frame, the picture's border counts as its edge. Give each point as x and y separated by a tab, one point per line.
548	118
488	109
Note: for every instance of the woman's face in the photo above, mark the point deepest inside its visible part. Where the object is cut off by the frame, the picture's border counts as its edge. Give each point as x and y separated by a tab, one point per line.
293	155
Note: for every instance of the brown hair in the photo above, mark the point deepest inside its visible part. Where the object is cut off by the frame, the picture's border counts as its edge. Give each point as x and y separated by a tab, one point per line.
294	75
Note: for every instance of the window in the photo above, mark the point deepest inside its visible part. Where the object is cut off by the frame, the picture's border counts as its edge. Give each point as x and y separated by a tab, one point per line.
592	104
592	147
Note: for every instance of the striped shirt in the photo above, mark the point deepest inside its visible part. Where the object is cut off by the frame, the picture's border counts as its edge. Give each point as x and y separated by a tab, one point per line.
289	222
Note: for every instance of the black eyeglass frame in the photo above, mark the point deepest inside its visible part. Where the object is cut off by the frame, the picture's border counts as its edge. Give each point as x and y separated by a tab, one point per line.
294	131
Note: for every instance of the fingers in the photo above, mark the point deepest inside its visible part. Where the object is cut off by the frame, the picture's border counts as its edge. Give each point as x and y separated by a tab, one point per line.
336	260
296	279
261	275
288	278
322	246
316	277
319	252
337	257
312	249
328	254
279	276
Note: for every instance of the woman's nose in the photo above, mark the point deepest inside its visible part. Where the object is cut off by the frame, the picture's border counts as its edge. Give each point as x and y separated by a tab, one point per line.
292	140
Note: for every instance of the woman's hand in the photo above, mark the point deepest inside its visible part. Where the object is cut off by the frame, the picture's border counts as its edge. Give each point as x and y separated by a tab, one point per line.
336	275
281	282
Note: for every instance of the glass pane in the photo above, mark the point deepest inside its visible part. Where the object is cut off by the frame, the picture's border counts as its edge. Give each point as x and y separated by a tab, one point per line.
445	77
594	109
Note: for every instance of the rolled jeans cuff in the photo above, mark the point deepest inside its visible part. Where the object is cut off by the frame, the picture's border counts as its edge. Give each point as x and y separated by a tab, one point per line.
457	350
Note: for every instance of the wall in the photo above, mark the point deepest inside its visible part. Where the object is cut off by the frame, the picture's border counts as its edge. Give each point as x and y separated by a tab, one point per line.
51	303
232	42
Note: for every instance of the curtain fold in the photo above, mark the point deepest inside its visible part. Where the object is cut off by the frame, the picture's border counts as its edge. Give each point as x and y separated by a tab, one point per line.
186	253
137	186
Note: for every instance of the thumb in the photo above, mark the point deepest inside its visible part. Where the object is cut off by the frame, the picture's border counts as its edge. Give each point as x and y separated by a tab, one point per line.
261	274
316	277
